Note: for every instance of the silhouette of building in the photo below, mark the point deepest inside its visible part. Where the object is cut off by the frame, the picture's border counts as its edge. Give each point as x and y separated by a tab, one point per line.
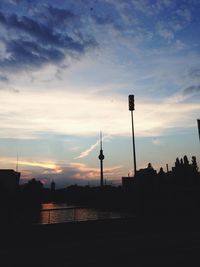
33	192
53	186
127	182
9	181
101	158
146	174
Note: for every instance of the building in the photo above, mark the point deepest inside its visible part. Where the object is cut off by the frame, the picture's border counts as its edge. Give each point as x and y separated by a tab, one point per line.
9	181
143	175
127	182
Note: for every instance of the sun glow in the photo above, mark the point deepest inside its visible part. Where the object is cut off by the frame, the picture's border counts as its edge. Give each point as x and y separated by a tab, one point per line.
45	165
41	164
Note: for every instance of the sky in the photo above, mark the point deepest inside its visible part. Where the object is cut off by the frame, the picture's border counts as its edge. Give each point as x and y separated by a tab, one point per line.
66	70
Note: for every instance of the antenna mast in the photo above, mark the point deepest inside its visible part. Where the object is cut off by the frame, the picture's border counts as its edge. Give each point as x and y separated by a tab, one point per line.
17	163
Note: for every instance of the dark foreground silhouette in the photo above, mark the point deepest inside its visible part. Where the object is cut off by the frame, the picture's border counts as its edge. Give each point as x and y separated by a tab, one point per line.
104	243
165	232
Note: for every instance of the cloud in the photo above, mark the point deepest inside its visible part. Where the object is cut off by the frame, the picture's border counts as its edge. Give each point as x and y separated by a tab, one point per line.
165	30
194	73
185	13
30	163
87	151
56	113
180	45
9	89
76	173
15	2
41	33
166	33
67	110
157	141
46	29
105	13
62	173
29	54
55	16
31	43
193	89
46	165
3	78
80	173
184	94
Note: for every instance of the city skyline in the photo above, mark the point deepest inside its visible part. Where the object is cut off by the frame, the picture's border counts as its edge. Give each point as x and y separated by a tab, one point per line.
66	70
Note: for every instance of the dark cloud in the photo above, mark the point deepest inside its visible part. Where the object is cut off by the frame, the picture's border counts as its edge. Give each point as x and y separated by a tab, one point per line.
56	16
31	27
27	53
191	90
68	29
32	43
42	33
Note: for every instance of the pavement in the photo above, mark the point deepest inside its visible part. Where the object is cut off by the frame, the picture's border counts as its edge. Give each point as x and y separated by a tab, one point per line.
100	243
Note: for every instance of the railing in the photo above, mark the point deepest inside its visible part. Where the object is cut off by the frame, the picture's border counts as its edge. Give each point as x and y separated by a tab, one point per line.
78	214
62	208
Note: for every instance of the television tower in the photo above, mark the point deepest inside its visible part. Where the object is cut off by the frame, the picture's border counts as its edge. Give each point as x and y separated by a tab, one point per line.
101	158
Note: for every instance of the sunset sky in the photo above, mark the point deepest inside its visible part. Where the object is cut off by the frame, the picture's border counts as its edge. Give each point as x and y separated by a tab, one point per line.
66	70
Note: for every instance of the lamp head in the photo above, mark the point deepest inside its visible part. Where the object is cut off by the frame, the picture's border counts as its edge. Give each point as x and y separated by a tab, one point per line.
131	102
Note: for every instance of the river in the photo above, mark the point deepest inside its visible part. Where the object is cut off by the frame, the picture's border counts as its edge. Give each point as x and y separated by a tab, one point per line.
60	213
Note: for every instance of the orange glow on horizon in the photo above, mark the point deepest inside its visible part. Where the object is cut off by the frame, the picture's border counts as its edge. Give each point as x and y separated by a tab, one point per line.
47	165
42	164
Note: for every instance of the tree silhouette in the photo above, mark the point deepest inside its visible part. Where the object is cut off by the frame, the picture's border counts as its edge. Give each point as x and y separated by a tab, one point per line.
194	163
185	160
177	163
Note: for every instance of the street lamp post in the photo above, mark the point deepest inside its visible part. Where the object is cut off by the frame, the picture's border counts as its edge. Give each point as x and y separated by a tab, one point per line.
198	124
131	108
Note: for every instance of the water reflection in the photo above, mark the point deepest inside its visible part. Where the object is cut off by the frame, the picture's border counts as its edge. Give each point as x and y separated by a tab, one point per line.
58	213
56	206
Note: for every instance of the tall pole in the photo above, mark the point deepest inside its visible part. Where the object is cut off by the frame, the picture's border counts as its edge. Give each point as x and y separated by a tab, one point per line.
101	158
198	124
131	108
101	182
133	137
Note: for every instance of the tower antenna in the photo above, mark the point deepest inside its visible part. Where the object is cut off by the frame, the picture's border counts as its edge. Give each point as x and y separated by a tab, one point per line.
17	163
100	140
